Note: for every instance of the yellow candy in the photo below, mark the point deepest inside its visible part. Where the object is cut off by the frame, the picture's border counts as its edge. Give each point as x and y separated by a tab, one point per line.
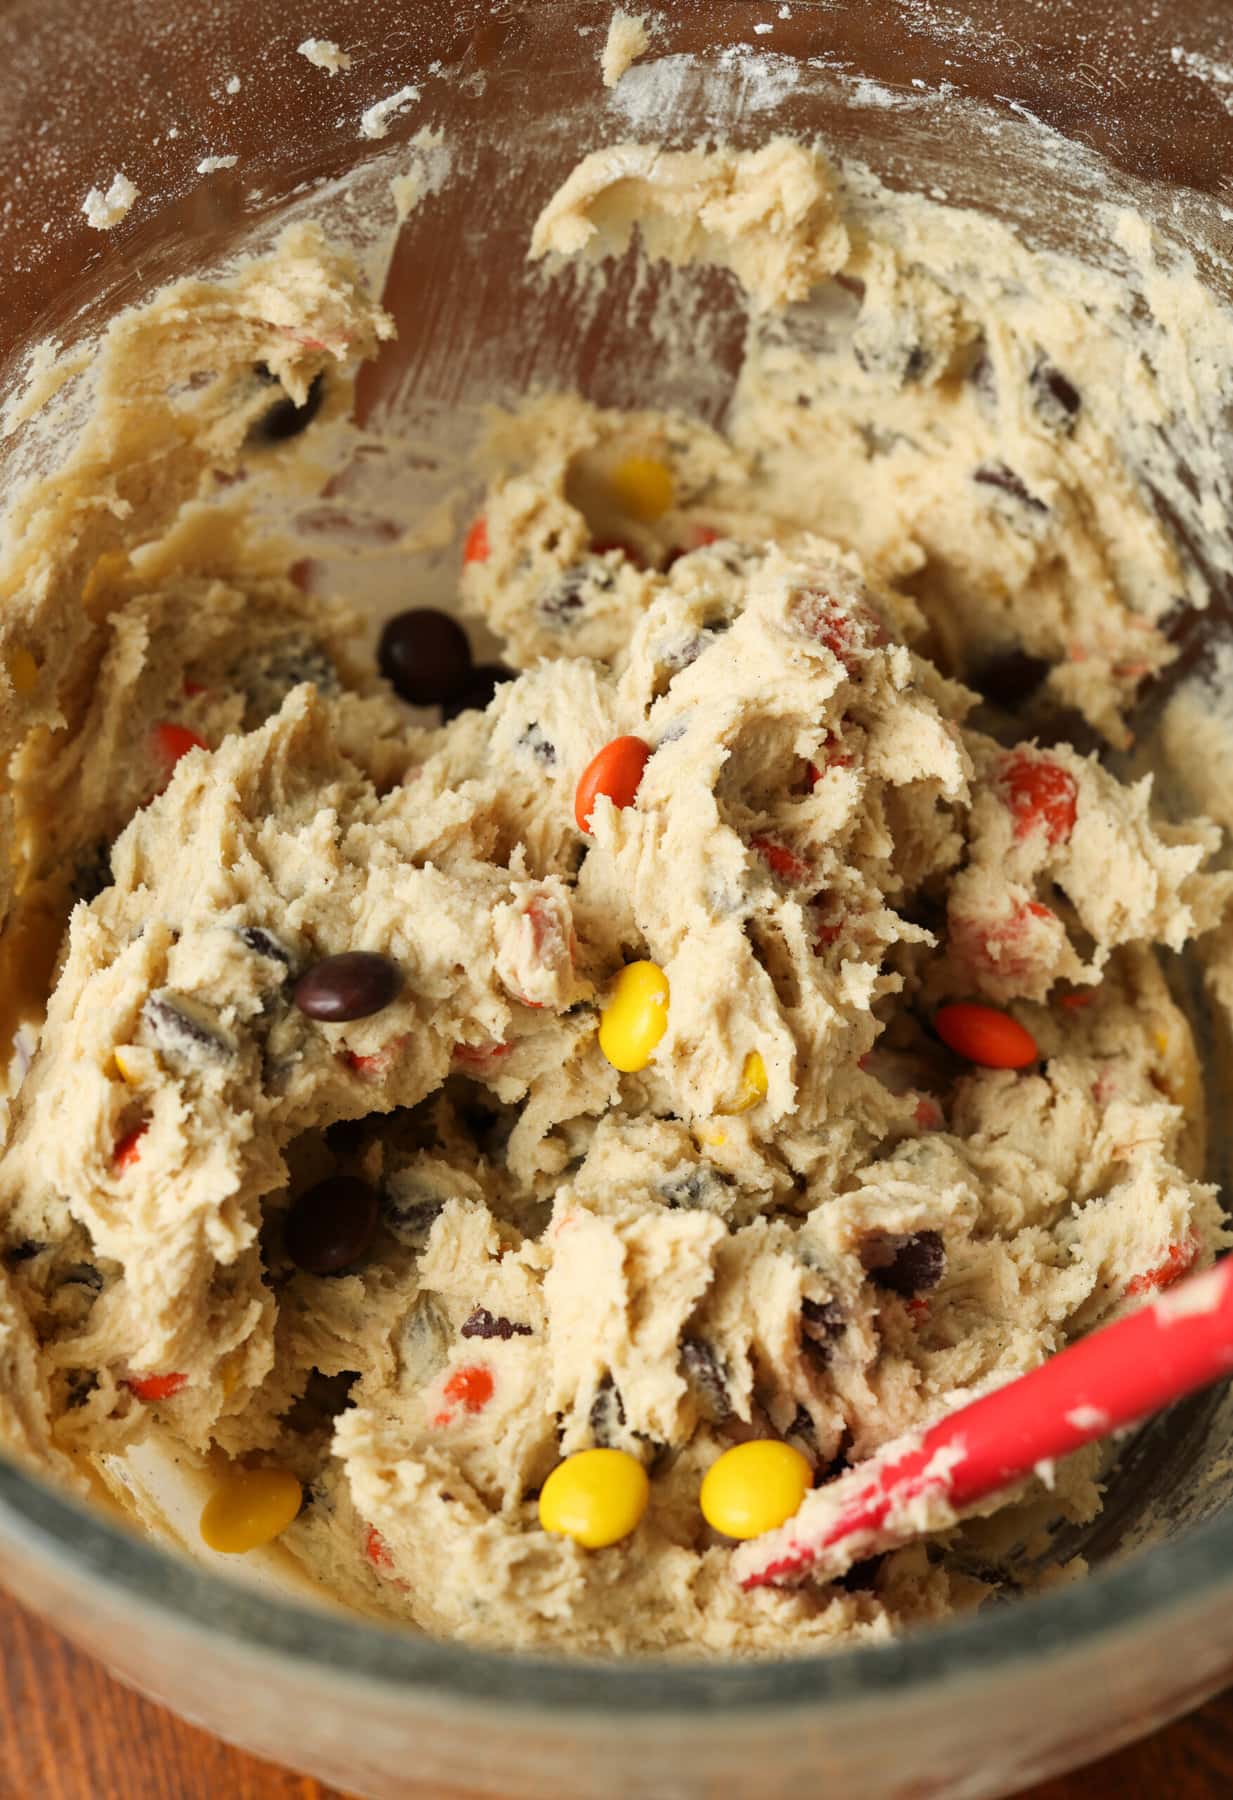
23	670
250	1507
635	1016
754	1487
128	1066
753	1083
596	1497
643	486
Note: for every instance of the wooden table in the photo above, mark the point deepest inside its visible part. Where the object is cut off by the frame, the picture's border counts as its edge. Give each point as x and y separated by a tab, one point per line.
69	1732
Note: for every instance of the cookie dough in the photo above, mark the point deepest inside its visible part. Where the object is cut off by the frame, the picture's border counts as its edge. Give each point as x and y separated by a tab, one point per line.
802	1217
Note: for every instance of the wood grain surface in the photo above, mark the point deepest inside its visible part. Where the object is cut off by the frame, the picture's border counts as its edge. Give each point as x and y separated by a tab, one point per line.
69	1732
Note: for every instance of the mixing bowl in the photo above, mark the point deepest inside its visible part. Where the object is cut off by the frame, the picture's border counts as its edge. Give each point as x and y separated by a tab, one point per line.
1043	116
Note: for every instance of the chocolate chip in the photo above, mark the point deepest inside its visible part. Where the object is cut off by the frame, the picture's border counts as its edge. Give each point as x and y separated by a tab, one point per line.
287	420
690	1190
536	745
483	1324
705	1375
93	873
79	1384
332	1225
266	677
477	695
352	985
263	943
1056	398
25	1251
906	1263
823	1320
562	604
607	1417
1010	678
83	1275
408	1214
182	1030
425	656
997	475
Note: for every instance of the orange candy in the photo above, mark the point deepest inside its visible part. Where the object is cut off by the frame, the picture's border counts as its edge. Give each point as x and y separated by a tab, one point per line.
616	771
985	1036
475	548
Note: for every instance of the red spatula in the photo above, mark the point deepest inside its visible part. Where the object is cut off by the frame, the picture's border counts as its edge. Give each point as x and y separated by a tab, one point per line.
1174	1344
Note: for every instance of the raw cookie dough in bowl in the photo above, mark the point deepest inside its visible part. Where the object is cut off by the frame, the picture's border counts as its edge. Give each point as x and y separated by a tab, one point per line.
461	1097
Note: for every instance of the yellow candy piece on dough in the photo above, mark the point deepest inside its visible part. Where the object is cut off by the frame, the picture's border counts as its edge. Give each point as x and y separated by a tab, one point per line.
23	670
754	1487
249	1508
128	1066
753	1083
634	1016
643	487
596	1497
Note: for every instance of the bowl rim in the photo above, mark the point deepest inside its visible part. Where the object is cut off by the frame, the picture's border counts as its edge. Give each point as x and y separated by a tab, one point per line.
37	1523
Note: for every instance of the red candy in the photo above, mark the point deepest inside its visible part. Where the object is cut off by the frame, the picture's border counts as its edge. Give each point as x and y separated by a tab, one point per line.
615	771
1000	944
785	863
1041	796
155	1387
376	1550
1177	1261
479	1056
469	1388
985	1036
171	742
128	1148
848	631
475	548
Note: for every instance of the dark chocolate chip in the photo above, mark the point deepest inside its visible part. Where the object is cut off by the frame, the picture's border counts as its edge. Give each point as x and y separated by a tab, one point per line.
607	1417
534	742
410	1221
1056	398
287	420
1010	678
180	1029
352	985
93	873
689	1190
78	1387
982	376
478	693
997	475
332	1225
22	1252
483	1324
823	1320
425	656
562	604
263	943
705	1374
82	1274
268	676
906	1263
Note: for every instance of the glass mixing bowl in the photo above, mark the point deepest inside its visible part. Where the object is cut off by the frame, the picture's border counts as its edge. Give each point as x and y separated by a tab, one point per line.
1039	115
